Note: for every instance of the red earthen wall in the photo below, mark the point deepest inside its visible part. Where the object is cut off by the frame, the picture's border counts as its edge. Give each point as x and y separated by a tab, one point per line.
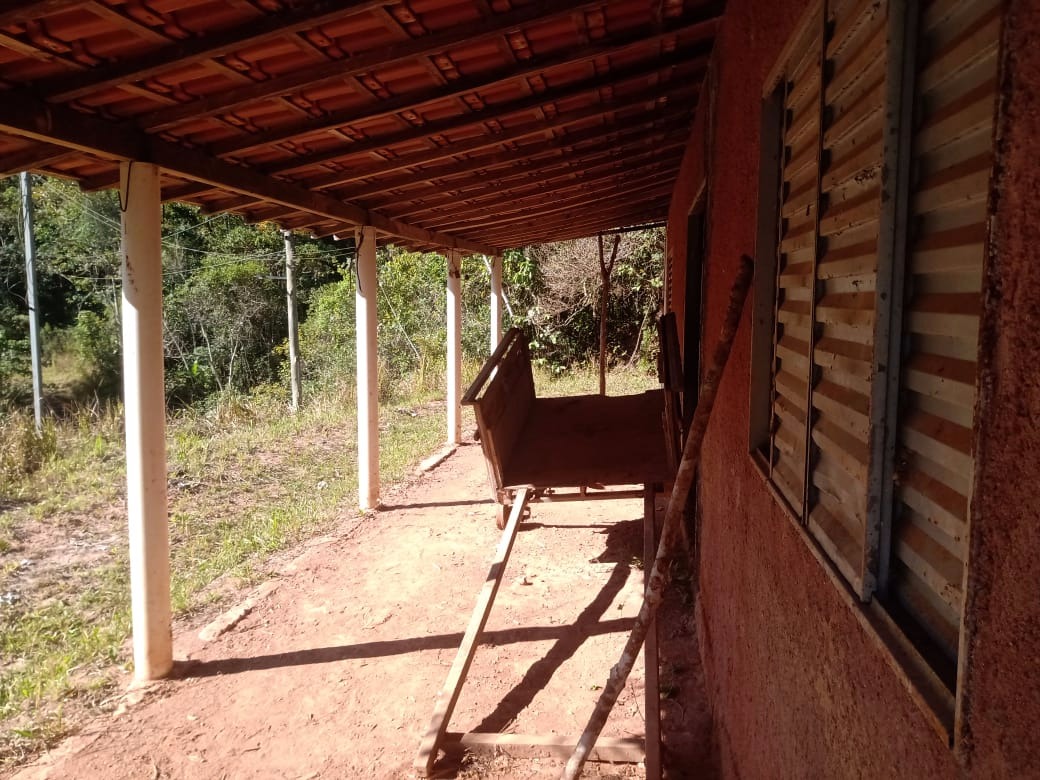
797	686
1002	690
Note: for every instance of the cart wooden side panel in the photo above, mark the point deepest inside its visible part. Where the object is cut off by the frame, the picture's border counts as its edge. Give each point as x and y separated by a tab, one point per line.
501	397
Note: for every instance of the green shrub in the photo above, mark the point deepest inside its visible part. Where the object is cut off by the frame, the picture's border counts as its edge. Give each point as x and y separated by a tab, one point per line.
22	450
95	339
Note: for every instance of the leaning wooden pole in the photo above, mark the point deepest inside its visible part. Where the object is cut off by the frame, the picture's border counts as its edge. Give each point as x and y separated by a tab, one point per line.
672	521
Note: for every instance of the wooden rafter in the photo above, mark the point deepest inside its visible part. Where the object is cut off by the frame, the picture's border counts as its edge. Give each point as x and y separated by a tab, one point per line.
498	123
617	132
494	112
66	127
643	184
417	100
563	119
14	12
497	194
484	192
323	73
175	55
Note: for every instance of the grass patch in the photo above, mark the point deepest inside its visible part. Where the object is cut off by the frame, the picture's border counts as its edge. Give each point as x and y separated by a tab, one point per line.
246	479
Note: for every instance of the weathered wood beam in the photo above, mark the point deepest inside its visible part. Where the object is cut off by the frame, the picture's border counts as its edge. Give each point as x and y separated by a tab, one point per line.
648	186
570	225
323	73
676	59
63	126
413	101
562	119
487	192
22	11
532	196
618	129
267	27
608	749
37	156
573	205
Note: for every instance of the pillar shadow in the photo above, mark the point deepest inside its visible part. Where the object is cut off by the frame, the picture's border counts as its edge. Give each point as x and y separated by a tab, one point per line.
435	504
185	670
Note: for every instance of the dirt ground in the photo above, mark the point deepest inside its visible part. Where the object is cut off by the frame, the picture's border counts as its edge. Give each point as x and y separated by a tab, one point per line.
331	668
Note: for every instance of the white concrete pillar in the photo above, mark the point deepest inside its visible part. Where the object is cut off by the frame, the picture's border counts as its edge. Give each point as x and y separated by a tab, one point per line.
145	409
496	301
454	346
366	325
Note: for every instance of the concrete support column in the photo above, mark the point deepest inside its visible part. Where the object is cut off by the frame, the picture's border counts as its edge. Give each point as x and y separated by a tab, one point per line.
454	346
496	301
145	409
366	324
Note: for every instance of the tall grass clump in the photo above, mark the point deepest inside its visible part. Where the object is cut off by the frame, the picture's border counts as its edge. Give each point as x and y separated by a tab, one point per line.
23	451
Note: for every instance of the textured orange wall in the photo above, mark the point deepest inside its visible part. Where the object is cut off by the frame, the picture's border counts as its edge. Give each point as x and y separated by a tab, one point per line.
1002	692
797	686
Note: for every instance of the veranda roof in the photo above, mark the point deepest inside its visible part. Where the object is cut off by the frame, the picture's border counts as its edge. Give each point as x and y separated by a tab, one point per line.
469	124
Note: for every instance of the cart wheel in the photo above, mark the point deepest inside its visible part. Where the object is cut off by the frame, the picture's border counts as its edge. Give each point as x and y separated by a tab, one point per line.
501	513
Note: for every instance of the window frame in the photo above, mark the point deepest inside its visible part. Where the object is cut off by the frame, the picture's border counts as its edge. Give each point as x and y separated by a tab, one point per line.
938	702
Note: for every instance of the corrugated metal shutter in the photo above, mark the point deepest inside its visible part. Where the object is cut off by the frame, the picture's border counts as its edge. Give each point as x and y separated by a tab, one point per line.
846	281
952	160
796	252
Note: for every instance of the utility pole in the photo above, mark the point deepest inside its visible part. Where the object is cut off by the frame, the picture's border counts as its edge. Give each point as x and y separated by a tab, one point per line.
294	325
25	185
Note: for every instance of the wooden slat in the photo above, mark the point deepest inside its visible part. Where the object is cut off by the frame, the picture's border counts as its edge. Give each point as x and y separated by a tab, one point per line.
448	696
625	750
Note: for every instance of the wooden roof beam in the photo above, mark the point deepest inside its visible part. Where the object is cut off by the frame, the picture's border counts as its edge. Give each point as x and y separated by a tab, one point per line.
563	119
601	134
265	28
413	101
627	192
553	186
75	130
35	157
323	73
569	228
648	183
494	189
493	112
617	211
21	11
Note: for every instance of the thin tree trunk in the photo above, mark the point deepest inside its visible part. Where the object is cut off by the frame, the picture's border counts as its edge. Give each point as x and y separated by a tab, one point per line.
639	341
672	523
605	269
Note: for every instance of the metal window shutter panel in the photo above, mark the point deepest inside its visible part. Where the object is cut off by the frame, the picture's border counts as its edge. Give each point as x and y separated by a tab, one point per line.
955	94
796	246
845	282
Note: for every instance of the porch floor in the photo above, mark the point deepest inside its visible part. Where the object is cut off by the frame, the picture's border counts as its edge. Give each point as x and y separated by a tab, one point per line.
334	669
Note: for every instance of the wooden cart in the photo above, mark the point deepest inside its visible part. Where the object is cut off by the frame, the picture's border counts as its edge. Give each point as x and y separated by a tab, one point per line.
550	445
557	449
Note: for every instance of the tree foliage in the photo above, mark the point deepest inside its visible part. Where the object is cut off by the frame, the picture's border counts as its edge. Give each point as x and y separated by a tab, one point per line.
224	300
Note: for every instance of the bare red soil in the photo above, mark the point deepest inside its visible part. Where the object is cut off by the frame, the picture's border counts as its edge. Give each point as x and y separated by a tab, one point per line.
333	666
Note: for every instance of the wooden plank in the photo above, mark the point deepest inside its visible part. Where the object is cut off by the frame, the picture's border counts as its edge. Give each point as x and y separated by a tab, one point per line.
494	112
515	133
256	30
621	750
21	11
470	32
31	118
448	696
561	148
652	700
584	440
412	101
475	388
